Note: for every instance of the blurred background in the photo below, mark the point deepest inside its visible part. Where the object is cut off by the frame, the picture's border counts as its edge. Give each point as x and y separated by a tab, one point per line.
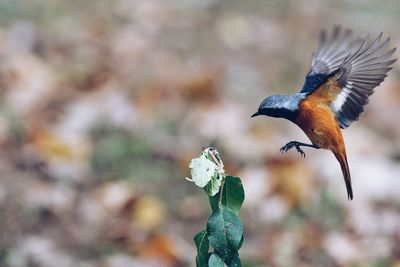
104	104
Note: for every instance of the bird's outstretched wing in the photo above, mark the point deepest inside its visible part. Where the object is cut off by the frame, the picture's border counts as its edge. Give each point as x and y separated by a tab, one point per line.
355	66
331	53
357	77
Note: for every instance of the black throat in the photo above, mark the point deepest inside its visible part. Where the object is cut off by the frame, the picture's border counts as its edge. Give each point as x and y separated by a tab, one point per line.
285	113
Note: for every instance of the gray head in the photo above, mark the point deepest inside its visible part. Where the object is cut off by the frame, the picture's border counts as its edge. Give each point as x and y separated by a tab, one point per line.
281	106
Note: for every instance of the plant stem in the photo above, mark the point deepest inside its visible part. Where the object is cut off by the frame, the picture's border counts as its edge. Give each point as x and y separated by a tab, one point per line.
221	190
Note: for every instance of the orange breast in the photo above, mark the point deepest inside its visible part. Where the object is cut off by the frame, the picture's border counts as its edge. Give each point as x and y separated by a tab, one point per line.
318	122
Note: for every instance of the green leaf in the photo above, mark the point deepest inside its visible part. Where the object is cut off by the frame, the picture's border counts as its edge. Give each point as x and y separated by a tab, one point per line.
215	261
232	195
212	188
235	261
225	231
241	242
202	170
202	245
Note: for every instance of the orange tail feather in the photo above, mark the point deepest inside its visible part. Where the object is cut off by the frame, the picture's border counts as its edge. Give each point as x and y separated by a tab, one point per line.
342	158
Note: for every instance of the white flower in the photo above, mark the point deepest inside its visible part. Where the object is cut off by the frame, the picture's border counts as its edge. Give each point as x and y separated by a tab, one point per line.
203	170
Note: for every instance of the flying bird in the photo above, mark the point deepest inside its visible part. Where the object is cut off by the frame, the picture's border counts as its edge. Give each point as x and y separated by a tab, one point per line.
344	72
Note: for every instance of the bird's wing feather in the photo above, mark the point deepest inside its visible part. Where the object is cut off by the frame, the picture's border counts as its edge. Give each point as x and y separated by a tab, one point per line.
356	66
332	51
358	75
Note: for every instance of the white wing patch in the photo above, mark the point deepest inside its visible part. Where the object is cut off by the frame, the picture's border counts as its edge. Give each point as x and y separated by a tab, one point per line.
357	65
358	75
341	98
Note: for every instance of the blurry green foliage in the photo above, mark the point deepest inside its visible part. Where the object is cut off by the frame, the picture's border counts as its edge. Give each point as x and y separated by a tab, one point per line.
35	10
328	211
118	154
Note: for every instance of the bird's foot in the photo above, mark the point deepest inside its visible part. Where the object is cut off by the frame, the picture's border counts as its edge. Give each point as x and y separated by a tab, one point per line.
292	144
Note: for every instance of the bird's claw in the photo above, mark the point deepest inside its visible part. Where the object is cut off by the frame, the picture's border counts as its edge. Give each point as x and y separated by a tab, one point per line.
290	145
284	149
302	154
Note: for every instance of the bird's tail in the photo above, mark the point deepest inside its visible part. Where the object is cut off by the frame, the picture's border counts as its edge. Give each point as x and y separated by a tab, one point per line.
342	158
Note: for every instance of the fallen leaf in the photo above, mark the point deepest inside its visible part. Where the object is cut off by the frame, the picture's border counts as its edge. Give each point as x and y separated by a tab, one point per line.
148	213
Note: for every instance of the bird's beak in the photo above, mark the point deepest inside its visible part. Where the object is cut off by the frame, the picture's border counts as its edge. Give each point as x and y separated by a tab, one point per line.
255	114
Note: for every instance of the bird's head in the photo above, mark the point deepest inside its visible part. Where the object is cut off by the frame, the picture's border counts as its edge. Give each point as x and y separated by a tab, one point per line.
280	106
